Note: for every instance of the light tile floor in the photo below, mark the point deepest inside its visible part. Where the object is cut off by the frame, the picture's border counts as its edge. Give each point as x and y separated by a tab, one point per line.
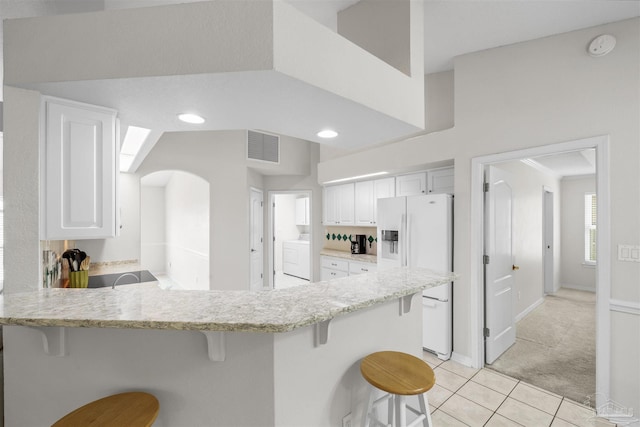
470	397
282	281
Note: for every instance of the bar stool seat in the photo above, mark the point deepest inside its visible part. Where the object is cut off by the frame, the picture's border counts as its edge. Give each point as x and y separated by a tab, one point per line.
400	375
133	409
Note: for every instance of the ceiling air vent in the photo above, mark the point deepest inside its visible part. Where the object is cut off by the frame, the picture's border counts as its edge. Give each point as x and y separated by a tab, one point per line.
261	146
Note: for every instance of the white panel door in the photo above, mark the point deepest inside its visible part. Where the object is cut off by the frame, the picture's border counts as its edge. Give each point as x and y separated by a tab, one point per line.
549	286
499	277
256	243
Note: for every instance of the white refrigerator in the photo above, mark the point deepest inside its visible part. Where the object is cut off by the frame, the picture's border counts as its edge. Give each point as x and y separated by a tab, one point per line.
417	231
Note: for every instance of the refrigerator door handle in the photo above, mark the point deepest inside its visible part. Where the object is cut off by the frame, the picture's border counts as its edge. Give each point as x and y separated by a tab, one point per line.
407	240
435	299
429	302
403	240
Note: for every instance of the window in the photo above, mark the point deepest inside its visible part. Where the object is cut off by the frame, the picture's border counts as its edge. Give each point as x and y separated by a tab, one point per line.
590	210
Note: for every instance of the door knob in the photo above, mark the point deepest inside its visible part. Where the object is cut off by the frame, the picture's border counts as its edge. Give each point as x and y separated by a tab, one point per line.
515	267
253	250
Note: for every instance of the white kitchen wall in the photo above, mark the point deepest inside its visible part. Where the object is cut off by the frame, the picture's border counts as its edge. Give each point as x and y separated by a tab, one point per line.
153	241
126	246
187	230
527	184
381	28
574	274
219	158
532	94
21	190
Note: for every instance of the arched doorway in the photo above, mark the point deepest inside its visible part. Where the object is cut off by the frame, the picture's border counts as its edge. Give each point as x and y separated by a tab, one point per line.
174	229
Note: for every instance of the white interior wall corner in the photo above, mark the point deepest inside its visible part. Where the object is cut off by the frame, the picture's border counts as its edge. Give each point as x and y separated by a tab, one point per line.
21	190
335	63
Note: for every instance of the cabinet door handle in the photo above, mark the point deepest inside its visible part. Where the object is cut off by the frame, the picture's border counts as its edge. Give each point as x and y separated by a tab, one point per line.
364	269
335	265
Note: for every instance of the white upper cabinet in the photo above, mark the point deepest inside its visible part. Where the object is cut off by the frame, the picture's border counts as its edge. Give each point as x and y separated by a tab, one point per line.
339	204
367	194
365	203
80	171
440	180
411	185
302	211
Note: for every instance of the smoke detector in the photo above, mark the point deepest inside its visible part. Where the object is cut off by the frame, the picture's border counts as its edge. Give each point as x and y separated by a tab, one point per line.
601	45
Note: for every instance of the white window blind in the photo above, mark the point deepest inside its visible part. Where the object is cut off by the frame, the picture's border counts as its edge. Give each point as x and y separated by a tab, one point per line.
590	232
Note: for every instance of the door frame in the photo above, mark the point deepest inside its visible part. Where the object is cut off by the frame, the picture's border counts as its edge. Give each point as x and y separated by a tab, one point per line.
271	232
603	268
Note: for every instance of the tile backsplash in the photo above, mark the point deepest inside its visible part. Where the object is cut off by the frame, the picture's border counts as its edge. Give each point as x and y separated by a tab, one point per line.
338	238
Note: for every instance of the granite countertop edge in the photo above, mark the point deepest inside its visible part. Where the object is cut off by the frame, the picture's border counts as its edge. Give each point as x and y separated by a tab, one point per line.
227	311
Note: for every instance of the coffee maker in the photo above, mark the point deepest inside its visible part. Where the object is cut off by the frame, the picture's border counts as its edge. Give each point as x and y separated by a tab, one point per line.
359	245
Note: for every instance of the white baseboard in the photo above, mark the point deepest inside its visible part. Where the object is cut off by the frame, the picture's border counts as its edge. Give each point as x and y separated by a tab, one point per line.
463	360
577	287
529	309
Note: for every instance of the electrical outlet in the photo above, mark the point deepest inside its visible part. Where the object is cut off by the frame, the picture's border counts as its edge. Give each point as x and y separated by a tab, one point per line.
629	253
346	421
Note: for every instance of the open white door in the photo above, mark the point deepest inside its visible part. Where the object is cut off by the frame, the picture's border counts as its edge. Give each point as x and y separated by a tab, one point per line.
549	286
500	328
256	240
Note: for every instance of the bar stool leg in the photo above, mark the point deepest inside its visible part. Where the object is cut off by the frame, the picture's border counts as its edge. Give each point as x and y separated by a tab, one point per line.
390	409
401	411
424	407
366	416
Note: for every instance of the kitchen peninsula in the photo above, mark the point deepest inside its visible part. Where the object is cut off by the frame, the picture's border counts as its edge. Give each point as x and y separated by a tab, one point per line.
282	357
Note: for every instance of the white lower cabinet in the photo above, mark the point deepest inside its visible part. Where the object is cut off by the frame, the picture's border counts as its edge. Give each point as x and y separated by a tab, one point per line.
361	267
334	268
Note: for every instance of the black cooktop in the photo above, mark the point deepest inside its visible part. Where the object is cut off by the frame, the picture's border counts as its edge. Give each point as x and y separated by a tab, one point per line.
104	280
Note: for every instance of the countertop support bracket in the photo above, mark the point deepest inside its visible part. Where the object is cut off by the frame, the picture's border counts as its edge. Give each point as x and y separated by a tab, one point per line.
405	304
321	332
215	345
54	339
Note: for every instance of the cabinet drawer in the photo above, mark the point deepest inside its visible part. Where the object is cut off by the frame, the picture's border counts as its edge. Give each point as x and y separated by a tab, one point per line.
329	274
361	267
334	264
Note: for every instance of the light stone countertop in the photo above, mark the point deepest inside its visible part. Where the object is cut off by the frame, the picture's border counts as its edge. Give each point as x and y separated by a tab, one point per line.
373	259
279	310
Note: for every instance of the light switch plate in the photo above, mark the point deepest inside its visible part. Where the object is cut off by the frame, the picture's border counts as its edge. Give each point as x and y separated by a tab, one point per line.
629	253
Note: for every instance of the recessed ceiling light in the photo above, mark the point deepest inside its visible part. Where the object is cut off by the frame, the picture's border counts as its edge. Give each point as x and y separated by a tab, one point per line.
191	118
327	133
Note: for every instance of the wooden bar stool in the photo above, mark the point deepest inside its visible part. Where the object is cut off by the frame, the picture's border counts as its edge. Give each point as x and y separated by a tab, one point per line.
133	409
400	375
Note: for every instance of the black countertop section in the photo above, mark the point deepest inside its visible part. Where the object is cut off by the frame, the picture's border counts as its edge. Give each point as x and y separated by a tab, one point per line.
104	280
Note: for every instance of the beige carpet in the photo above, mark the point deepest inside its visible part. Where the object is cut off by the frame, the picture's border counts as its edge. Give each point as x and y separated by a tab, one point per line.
555	346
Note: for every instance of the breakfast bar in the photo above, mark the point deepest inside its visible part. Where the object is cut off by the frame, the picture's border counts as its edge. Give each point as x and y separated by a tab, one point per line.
278	357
